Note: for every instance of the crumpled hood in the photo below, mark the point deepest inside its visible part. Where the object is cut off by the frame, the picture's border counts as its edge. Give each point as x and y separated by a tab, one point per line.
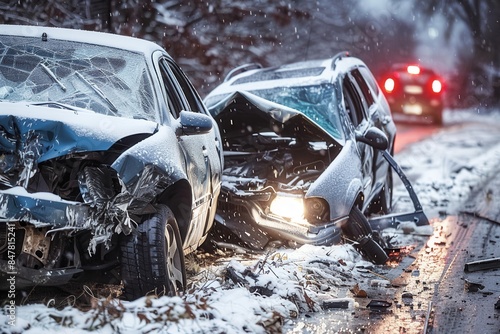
243	113
48	133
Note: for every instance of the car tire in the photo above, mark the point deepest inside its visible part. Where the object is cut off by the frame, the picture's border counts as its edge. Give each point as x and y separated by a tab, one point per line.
152	259
359	231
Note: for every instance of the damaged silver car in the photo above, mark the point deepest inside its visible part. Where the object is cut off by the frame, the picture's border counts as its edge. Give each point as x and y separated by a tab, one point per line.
307	155
110	164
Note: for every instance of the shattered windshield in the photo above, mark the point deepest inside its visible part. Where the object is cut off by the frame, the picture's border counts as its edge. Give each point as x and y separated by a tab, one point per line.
69	74
317	102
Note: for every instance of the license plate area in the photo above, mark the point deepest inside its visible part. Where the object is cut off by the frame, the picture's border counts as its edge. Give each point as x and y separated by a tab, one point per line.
412	109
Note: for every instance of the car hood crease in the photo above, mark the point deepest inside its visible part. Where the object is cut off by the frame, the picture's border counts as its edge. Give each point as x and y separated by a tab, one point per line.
256	115
57	132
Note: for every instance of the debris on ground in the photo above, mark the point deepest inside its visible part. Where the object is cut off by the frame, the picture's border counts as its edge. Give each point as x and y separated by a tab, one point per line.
358	292
337	303
473	286
493	263
407	295
374	304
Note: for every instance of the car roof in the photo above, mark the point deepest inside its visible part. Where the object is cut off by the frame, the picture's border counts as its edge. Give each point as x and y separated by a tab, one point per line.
83	36
312	72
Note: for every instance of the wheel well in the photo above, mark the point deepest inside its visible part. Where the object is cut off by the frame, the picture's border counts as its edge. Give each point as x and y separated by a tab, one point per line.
360	199
178	197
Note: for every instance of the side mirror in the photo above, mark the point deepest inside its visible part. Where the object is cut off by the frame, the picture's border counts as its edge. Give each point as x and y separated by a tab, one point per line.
193	123
375	138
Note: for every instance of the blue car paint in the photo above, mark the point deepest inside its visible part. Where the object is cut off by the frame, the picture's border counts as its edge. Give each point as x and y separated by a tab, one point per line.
28	141
41	211
61	132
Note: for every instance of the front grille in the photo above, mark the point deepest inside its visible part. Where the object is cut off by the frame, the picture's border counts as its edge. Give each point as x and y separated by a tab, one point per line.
230	208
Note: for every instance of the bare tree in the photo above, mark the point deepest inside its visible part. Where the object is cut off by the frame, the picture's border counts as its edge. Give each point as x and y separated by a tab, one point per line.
68	14
479	74
209	38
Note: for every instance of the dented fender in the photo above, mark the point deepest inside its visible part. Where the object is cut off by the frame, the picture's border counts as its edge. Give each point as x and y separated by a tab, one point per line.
133	160
343	173
110	194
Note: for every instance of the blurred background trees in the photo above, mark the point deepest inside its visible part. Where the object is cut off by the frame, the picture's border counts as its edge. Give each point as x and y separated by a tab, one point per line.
209	38
477	74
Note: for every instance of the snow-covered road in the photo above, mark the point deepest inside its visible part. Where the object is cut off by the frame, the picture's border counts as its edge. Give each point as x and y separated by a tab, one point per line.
274	292
455	171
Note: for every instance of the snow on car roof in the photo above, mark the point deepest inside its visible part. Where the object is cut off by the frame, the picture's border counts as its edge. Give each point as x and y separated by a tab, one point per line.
92	37
280	74
310	72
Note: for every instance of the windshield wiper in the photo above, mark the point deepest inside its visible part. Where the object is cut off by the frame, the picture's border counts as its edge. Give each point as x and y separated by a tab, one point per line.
53	104
99	92
53	76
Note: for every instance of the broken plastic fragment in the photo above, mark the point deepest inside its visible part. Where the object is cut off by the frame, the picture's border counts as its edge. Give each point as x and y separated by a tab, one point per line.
378	304
329	304
493	263
473	286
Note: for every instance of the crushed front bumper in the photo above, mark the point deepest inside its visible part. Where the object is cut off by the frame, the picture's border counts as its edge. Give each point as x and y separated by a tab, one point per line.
39	210
43	209
245	218
26	277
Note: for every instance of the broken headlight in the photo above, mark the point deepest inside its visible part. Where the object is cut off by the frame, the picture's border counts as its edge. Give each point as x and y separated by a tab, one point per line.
288	206
316	210
296	207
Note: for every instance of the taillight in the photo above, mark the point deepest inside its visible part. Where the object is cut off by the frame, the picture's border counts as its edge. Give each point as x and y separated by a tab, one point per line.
389	85
436	86
413	69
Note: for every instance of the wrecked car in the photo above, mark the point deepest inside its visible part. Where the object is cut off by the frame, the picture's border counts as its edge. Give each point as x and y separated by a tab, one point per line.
304	147
110	164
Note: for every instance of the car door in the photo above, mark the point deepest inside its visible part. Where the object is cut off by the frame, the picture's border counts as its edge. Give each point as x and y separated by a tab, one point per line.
378	110
213	140
356	108
201	152
376	117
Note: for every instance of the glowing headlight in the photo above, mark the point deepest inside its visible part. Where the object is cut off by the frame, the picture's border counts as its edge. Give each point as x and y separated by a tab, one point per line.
288	206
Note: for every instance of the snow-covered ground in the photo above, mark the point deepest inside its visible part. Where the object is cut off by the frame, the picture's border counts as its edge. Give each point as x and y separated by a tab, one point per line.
257	294
451	164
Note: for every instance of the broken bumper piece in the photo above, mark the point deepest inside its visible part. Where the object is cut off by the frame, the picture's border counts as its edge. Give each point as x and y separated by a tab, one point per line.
42	209
25	277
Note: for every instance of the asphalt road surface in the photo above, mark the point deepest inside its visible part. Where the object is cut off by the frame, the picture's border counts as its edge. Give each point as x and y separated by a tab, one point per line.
430	290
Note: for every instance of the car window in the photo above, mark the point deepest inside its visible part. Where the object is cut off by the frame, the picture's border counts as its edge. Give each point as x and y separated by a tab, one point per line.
370	79
192	97
353	101
363	85
175	97
317	102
